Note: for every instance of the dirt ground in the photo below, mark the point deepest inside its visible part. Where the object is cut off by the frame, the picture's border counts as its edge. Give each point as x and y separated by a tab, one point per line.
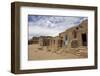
42	53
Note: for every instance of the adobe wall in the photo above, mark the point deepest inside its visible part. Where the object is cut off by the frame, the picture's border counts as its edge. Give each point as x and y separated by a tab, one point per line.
77	40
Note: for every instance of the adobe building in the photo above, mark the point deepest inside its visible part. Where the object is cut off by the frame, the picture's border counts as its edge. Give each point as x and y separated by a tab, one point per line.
34	40
76	36
44	40
56	43
71	38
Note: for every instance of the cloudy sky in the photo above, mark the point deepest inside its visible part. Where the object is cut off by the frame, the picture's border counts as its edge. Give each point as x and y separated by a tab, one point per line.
50	25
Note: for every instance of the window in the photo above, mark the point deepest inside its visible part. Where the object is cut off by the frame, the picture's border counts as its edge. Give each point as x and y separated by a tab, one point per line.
74	33
66	37
54	41
77	28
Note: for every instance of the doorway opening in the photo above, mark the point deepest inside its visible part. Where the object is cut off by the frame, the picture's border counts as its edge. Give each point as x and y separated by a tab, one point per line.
84	39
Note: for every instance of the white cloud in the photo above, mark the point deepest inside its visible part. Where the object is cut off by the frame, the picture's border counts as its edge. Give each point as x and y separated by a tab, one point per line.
51	25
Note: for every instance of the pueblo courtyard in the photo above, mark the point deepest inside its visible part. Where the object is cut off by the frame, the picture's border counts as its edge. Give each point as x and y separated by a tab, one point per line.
69	44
